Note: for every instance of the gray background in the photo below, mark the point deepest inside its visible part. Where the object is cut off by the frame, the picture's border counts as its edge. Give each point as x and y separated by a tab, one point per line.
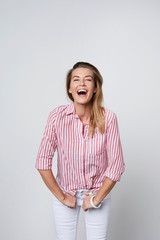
40	41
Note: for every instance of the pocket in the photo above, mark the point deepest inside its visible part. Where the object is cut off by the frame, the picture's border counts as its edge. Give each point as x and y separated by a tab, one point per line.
96	145
97	163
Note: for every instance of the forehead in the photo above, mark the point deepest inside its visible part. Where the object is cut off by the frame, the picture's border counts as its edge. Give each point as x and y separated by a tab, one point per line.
81	72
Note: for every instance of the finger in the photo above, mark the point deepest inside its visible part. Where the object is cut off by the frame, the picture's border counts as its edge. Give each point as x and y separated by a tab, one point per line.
87	193
85	209
83	206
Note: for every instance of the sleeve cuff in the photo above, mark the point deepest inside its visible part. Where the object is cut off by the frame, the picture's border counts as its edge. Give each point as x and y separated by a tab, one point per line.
114	177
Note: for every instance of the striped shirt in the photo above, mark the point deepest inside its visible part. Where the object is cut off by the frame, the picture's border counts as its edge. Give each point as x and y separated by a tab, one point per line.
82	161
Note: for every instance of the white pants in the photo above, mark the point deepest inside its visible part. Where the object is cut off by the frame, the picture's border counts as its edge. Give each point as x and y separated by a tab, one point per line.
66	219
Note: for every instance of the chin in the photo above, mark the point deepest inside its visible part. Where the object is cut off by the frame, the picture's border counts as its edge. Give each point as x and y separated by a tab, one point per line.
83	102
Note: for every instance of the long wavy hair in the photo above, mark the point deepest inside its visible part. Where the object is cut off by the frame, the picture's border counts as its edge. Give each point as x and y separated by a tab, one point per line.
97	117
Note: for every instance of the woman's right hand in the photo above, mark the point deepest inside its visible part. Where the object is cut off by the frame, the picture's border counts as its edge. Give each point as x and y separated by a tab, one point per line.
69	201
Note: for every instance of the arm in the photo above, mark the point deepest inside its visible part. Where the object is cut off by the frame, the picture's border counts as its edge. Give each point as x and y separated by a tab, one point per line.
115	163
44	162
107	186
49	179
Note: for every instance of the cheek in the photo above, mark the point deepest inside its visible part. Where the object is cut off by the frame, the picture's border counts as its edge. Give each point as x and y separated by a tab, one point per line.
73	86
92	88
72	89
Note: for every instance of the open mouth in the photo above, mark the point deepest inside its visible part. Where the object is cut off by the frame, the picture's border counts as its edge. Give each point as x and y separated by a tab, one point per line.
82	92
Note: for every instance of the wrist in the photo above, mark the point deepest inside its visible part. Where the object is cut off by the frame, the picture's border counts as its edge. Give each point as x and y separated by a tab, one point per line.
94	202
62	198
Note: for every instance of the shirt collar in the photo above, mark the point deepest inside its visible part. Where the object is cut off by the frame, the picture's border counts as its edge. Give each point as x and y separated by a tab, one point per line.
71	110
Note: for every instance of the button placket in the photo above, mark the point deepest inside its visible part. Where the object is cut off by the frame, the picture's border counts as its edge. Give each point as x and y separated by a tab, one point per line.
85	132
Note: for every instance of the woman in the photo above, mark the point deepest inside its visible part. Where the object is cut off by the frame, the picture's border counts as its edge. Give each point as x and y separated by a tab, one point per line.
89	156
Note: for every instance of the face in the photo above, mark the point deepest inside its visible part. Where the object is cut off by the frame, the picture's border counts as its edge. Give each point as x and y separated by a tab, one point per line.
82	86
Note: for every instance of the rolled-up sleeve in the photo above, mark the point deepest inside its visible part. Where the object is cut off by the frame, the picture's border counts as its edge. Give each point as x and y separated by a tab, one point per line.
116	164
48	145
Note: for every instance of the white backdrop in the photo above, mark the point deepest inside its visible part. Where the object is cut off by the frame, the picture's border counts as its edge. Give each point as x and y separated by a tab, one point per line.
42	39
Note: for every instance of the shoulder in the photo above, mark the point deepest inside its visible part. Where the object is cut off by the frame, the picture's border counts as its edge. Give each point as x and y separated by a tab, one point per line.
57	112
109	116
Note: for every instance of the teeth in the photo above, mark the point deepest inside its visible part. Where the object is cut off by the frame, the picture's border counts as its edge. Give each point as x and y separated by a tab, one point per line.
82	90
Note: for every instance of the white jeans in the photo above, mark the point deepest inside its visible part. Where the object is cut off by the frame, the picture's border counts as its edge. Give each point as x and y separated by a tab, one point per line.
66	219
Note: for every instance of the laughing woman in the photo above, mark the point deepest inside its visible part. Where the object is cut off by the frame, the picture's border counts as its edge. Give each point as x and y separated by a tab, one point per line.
89	156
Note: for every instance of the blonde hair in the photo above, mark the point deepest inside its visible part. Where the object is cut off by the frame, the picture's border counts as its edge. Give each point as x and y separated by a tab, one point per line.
97	117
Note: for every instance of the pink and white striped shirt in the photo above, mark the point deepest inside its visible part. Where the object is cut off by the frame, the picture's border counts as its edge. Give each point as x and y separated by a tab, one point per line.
82	161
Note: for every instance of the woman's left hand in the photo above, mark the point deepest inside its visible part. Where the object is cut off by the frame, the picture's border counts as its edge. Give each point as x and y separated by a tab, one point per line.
87	202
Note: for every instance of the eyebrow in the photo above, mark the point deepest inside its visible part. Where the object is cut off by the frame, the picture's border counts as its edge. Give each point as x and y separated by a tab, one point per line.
85	76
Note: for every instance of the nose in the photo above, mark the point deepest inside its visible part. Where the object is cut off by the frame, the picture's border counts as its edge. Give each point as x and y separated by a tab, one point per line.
82	82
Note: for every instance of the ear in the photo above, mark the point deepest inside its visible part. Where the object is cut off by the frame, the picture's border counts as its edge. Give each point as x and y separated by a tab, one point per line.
70	90
95	90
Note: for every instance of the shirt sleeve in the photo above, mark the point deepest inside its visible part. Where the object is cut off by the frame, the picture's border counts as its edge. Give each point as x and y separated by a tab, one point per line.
48	145
116	164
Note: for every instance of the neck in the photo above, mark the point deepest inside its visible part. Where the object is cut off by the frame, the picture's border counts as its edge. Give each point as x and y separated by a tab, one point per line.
83	111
